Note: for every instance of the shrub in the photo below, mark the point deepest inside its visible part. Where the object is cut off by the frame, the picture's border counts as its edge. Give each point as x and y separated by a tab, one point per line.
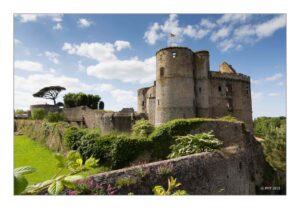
163	136
88	145
38	114
55	117
125	149
142	128
191	144
72	137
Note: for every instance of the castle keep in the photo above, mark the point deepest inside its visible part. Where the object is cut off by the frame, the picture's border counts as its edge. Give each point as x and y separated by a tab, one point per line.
186	88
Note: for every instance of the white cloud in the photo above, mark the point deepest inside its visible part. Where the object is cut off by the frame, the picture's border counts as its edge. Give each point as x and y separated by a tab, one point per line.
220	34
17	41
274	77
195	32
233	18
229	32
152	34
125	70
273	94
81	67
269	27
125	97
52	56
257	96
28	66
84	23
96	51
109	66
58	26
250	34
206	23
26	86
162	31
34	17
119	44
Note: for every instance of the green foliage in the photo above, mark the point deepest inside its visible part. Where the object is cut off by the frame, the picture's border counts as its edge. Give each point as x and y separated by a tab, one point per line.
122	182
82	99
38	113
20	111
125	149
74	164
20	182
229	118
172	185
88	145
273	131
115	150
164	170
53	117
263	126
164	136
191	144
142	128
72	136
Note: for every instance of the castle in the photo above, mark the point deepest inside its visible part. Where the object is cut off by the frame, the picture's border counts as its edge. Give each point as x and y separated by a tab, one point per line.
186	88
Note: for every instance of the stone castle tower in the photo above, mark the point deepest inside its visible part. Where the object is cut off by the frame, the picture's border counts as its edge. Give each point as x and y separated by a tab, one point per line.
186	88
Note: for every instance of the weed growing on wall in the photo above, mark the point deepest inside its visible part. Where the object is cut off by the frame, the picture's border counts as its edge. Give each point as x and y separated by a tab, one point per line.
191	144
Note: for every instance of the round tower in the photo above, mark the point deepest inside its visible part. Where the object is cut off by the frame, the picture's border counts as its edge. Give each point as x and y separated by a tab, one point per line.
175	95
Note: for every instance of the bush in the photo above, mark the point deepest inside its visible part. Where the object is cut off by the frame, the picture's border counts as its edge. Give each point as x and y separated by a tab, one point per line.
142	128
38	114
55	117
112	150
191	144
125	149
164	136
72	136
88	146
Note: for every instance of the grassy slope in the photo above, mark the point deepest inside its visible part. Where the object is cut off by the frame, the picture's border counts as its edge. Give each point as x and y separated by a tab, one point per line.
29	152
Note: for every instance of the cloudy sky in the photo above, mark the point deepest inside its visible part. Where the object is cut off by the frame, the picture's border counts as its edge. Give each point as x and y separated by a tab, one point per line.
113	55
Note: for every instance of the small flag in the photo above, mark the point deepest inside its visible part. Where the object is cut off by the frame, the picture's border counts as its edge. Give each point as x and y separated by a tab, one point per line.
172	35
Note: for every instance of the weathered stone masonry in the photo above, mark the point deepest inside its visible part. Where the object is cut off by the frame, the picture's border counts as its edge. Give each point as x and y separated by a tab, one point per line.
186	88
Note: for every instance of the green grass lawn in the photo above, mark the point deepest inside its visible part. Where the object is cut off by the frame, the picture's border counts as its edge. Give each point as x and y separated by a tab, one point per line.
29	152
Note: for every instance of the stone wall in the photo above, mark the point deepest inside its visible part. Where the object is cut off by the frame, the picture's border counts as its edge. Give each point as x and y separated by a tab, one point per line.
218	173
236	169
106	121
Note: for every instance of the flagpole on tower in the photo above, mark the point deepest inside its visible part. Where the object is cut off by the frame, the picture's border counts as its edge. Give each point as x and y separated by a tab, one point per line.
172	36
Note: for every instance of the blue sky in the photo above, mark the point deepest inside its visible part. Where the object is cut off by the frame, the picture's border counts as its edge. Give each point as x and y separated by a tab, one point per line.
113	55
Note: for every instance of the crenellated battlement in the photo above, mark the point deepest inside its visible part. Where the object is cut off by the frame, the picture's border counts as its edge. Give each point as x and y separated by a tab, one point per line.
229	76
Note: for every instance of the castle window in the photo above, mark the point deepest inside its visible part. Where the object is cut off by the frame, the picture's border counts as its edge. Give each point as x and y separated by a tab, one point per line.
199	89
247	90
158	102
161	71
143	103
229	105
173	54
220	88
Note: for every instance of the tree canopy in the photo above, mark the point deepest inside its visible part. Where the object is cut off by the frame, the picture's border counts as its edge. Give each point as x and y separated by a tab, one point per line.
50	92
82	99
